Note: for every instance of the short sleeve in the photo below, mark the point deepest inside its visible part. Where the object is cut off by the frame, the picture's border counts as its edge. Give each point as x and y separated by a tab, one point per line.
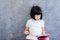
43	23
28	23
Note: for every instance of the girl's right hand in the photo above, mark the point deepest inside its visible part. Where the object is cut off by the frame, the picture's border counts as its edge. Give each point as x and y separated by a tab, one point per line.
26	32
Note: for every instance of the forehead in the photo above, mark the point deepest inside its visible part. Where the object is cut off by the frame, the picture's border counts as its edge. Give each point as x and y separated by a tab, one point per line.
37	15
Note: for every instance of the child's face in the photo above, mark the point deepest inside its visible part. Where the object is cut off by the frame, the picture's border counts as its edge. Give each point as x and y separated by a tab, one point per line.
37	17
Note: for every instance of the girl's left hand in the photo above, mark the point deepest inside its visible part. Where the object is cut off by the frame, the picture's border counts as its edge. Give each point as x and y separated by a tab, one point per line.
45	34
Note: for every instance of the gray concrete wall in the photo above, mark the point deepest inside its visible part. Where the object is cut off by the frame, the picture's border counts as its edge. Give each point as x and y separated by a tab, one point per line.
15	13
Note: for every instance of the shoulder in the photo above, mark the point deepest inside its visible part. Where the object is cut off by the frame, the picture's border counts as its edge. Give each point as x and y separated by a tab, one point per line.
29	20
42	21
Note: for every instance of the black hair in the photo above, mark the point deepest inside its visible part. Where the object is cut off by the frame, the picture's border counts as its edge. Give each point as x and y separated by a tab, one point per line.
35	10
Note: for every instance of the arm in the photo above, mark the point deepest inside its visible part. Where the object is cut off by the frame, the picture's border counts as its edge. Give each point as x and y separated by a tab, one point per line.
26	31
43	29
43	32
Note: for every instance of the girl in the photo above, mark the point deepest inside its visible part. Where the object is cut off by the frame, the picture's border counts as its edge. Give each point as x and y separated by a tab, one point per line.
35	25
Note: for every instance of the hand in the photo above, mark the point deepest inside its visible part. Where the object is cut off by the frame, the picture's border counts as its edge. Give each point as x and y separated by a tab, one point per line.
26	32
45	34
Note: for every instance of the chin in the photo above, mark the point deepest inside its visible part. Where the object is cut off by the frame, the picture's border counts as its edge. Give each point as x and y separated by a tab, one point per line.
37	19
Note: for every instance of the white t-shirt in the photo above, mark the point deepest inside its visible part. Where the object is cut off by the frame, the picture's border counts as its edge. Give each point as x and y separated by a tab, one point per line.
35	26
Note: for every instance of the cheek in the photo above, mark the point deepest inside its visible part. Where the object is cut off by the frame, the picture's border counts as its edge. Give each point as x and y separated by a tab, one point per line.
36	17
40	16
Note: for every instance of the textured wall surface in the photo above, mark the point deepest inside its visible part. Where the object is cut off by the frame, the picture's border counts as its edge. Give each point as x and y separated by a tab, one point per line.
15	13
